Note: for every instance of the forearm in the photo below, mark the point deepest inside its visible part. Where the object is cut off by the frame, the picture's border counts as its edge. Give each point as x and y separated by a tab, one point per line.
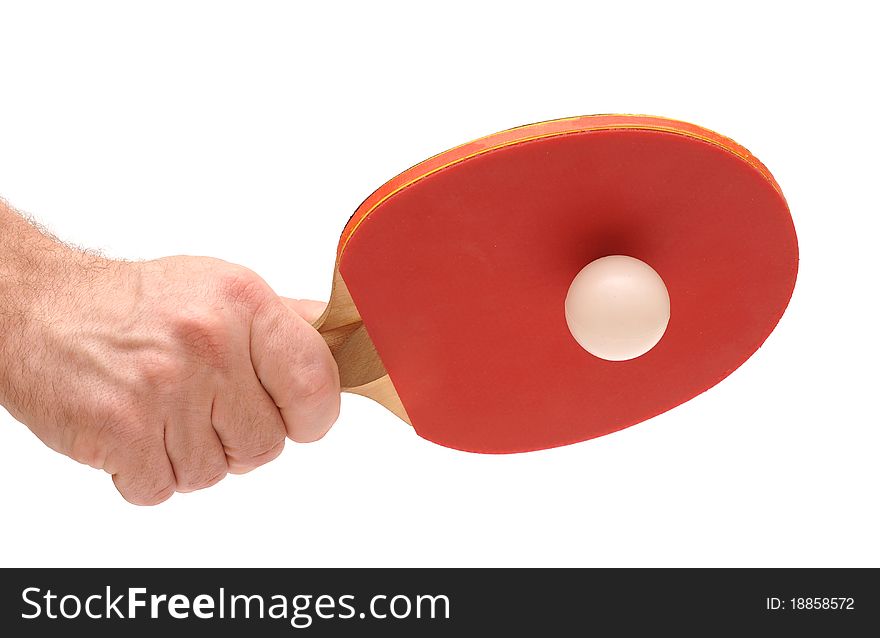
26	253
29	259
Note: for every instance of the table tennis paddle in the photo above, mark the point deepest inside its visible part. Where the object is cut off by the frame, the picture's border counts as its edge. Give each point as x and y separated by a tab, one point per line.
453	281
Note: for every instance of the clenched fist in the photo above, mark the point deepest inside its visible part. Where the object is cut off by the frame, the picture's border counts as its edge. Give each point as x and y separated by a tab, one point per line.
166	374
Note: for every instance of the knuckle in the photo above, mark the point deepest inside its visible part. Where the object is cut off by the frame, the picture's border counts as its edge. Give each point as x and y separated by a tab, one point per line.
259	452
202	480
203	336
202	472
160	370
242	463
147	482
240	286
314	384
151	495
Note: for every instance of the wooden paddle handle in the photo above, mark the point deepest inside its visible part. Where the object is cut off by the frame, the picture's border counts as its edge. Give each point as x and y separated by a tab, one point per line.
361	371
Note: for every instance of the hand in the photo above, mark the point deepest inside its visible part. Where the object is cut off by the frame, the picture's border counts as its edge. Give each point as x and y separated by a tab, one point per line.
167	374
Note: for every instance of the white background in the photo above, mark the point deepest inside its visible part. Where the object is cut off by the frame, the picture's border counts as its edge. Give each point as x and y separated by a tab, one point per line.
251	131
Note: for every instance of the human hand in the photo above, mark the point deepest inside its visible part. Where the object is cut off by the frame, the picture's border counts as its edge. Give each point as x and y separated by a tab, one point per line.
167	374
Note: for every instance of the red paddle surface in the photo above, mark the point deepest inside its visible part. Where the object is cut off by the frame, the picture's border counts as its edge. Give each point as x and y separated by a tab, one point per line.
460	278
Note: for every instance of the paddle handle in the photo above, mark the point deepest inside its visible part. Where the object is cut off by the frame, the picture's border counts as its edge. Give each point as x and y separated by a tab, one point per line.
361	371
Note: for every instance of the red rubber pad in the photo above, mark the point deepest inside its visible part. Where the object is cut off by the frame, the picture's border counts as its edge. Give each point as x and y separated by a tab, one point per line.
460	268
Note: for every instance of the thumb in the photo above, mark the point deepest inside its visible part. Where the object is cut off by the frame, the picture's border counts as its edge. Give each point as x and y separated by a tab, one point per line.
296	368
306	308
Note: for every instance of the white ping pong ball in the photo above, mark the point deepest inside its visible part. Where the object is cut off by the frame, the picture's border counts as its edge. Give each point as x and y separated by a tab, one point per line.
617	308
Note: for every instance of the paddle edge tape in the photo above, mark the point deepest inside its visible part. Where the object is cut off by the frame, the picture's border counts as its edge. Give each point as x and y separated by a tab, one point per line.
542	130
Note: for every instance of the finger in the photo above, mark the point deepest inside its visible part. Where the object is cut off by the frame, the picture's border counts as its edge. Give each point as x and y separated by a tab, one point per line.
144	475
308	309
294	365
248	423
195	452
